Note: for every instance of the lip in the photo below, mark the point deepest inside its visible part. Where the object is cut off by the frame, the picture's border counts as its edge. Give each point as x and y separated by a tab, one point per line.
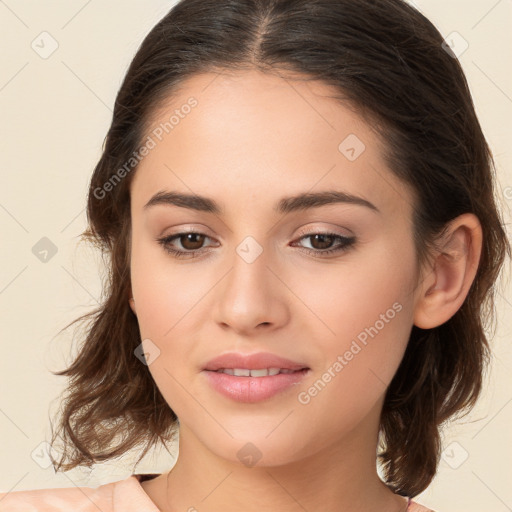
253	389
252	362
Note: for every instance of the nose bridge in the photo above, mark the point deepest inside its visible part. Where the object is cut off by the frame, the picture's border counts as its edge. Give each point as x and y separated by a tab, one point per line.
250	293
249	277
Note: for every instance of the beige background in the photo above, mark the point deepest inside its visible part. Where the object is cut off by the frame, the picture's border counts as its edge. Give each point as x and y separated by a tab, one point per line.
55	113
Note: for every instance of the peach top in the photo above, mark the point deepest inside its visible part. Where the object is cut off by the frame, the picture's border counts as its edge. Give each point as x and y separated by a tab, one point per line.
122	496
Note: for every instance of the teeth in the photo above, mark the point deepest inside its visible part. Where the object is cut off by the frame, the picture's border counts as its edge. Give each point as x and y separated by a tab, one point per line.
263	372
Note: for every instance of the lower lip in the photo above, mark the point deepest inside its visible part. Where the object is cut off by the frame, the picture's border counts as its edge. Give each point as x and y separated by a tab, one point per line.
253	389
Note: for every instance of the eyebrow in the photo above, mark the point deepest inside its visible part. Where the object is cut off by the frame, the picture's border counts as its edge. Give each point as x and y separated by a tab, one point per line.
285	205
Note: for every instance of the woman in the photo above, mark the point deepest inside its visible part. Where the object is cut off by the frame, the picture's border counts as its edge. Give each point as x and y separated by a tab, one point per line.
296	198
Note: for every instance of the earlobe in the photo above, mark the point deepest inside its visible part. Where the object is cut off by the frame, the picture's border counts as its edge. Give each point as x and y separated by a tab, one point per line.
132	305
452	273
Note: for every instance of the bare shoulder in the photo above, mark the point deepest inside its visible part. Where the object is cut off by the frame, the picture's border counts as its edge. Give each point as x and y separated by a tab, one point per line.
78	499
416	507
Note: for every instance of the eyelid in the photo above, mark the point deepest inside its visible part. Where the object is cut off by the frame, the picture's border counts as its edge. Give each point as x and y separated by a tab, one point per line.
300	236
179	228
186	231
346	245
309	230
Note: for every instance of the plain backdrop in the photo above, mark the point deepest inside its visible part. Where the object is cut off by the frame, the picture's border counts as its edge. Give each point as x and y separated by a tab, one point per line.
55	112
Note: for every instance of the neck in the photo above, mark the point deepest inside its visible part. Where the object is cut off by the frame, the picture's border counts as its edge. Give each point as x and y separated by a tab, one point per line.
339	477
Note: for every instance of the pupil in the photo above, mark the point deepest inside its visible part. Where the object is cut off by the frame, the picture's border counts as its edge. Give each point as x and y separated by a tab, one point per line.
189	238
321	238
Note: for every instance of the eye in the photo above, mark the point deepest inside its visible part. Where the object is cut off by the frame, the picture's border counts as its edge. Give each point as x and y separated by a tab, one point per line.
324	243
191	243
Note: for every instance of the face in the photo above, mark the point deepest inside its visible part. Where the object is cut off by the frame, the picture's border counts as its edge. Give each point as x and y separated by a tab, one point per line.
327	285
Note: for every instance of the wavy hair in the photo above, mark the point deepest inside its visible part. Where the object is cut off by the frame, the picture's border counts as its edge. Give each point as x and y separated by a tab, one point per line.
389	62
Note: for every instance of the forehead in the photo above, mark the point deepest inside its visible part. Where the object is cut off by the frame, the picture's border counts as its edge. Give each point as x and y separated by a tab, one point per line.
252	135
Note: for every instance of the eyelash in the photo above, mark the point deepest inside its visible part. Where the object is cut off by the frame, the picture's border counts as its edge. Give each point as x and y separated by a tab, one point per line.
345	244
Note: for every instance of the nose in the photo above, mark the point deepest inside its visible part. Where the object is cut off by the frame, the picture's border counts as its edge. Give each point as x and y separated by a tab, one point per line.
252	297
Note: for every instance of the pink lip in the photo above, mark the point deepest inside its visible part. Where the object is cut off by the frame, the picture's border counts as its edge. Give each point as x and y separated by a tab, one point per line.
253	389
252	361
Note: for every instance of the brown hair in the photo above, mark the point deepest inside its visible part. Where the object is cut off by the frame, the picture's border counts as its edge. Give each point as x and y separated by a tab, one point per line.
387	60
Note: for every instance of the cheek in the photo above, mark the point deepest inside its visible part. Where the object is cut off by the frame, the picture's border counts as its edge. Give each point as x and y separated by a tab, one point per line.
358	364
164	291
364	321
368	289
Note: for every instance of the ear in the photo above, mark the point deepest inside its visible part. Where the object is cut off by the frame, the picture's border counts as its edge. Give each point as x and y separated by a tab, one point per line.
446	283
131	301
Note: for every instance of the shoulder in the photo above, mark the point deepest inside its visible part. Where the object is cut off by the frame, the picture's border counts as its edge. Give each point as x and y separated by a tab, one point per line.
416	507
122	496
81	499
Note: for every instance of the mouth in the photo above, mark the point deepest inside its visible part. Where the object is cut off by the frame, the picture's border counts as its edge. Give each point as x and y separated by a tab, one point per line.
258	363
255	387
254	377
259	372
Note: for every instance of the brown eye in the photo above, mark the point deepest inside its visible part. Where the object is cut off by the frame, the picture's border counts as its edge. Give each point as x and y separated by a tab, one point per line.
322	241
184	245
324	244
191	241
190	245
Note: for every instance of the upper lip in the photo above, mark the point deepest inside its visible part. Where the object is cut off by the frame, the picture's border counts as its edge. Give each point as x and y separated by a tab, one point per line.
255	361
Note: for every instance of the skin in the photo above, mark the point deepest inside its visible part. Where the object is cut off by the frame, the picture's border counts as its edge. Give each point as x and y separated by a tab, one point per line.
252	139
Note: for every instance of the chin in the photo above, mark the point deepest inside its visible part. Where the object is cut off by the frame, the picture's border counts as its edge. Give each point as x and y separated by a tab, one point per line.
255	447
